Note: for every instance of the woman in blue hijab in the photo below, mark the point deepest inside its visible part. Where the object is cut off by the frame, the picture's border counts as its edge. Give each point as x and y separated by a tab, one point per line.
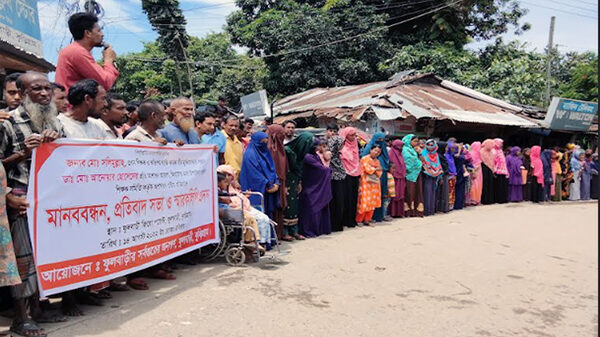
258	172
413	198
451	153
384	160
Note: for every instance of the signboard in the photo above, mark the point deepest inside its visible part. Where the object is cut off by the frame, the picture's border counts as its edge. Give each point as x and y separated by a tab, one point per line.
20	25
570	115
256	104
100	210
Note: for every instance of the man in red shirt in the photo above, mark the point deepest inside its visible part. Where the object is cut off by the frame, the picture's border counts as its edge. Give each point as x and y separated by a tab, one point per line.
75	62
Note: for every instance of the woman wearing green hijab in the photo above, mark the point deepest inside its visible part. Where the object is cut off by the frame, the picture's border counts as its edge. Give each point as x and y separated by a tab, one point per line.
413	199
295	151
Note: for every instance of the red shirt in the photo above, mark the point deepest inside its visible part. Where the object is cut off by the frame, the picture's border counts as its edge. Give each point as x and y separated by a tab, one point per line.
76	63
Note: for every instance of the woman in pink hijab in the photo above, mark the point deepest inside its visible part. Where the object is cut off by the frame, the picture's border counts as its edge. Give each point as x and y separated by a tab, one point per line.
351	160
398	171
476	176
501	173
487	171
537	166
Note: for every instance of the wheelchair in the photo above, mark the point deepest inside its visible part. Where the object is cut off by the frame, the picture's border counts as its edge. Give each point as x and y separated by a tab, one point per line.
232	245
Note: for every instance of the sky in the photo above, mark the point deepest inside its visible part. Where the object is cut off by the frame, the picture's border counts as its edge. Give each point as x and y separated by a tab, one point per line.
126	26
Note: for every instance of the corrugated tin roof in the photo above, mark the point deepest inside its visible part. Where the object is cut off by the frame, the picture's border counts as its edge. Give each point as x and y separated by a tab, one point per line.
422	96
486	118
387	114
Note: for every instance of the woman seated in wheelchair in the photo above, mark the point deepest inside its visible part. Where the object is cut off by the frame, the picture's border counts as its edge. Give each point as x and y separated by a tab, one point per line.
241	201
226	201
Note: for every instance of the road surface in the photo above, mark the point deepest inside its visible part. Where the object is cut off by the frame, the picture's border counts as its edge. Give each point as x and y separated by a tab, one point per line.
502	270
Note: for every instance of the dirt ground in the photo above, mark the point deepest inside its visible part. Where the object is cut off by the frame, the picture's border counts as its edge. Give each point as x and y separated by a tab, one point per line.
503	270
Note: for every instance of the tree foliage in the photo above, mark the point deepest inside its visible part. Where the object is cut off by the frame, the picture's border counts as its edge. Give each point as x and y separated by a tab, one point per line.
578	76
339	42
167	19
506	71
287	33
219	70
294	45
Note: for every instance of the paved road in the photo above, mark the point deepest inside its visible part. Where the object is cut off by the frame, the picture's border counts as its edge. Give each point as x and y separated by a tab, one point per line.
504	270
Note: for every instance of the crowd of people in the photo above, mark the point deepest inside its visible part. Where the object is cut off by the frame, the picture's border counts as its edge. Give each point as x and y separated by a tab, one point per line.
312	184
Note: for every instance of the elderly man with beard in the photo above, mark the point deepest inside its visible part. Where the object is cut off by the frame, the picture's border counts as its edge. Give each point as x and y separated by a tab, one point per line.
113	117
181	130
32	123
88	99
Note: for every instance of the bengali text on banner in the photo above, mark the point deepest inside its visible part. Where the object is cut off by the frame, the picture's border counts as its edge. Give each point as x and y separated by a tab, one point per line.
100	210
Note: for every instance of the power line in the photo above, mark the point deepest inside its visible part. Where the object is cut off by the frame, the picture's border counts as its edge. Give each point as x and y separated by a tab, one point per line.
572	6
561	10
113	19
309	33
197	63
362	34
589	3
437	9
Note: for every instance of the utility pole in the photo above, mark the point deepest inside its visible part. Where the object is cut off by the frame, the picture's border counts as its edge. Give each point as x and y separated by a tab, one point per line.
549	49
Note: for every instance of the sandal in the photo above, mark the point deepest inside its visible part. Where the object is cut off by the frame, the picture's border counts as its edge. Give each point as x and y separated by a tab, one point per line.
137	283
287	238
50	317
27	328
299	237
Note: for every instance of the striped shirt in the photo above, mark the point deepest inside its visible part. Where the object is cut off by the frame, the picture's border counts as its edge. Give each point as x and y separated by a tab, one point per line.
12	140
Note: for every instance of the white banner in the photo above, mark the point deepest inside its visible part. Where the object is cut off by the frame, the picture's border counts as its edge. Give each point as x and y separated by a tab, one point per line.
100	210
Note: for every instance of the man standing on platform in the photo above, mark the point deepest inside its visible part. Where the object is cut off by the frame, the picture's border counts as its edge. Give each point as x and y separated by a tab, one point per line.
75	62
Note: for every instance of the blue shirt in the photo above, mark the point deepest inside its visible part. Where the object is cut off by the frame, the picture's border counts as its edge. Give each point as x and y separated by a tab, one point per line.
172	132
217	139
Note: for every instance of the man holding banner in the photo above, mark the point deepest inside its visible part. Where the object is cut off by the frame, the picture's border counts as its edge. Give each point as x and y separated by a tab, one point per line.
33	123
146	203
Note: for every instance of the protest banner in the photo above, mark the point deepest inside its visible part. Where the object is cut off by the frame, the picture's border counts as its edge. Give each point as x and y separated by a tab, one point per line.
100	210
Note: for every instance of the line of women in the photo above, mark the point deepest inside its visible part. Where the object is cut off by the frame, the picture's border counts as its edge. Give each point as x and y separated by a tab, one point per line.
315	186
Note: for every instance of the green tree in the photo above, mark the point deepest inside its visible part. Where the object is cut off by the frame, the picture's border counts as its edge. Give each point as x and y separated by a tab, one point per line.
287	32
216	69
578	76
310	43
167	19
246	77
506	71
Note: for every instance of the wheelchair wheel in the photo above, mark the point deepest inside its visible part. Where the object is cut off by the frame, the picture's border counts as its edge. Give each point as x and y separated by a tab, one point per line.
210	252
235	256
